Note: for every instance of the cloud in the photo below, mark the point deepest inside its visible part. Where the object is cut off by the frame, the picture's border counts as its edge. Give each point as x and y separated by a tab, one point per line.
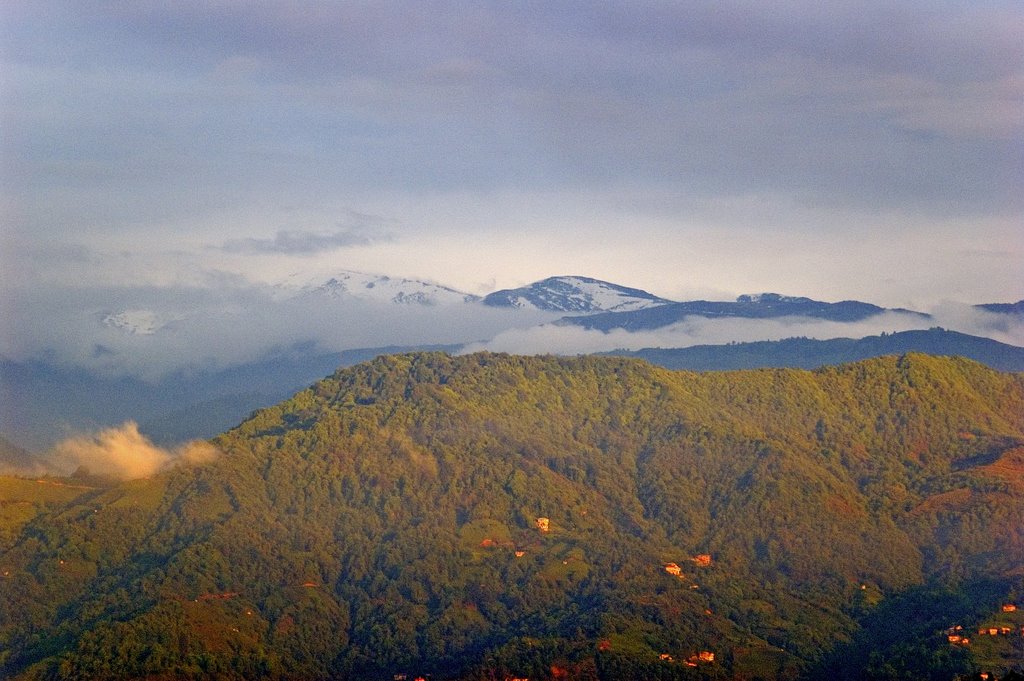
1005	328
292	242
123	453
571	340
197	328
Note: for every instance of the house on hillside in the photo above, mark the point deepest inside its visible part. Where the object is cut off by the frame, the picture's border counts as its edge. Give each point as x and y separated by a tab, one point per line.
673	569
1009	607
544	524
702	559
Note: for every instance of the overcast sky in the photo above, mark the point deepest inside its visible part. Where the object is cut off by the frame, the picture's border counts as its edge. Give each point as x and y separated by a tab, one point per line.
694	149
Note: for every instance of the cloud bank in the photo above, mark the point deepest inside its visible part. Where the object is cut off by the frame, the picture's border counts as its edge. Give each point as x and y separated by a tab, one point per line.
196	328
572	340
150	331
287	242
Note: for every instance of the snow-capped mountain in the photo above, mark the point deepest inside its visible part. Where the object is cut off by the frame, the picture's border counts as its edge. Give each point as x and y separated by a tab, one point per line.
575	294
372	288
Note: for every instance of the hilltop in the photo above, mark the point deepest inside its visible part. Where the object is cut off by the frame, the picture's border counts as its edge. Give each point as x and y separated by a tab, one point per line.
490	516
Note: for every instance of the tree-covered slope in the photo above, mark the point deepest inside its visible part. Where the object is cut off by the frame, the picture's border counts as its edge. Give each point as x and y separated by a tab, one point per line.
385	521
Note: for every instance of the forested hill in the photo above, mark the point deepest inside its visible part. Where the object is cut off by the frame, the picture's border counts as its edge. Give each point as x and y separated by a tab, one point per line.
391	520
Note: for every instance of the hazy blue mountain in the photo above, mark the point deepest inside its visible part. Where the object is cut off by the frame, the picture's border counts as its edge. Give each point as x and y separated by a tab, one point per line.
809	353
1014	309
41	402
574	294
12	456
759	306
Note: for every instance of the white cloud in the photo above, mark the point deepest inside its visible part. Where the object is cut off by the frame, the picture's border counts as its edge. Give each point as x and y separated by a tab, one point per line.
572	340
124	453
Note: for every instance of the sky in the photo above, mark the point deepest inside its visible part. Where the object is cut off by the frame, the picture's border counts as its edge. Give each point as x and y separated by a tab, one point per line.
196	149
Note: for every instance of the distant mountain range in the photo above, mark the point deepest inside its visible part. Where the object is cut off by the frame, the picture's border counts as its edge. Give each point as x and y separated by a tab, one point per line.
1013	309
13	457
759	306
42	400
591	303
809	353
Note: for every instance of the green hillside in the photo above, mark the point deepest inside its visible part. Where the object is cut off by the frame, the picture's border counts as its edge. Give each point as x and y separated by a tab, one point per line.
385	522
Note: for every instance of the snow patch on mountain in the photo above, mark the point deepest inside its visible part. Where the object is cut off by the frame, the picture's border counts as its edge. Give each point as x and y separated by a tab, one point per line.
575	294
372	288
135	322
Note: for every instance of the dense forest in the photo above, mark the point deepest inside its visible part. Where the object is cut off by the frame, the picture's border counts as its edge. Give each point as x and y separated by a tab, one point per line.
491	516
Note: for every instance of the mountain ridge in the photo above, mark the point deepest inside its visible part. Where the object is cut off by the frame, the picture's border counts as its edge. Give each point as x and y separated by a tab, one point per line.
757	306
810	353
200	405
373	287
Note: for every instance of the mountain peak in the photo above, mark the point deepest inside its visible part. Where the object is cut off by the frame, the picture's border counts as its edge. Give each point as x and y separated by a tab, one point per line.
574	294
372	287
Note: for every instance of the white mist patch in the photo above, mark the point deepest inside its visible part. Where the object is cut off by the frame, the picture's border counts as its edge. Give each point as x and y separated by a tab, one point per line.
193	328
1005	328
571	339
123	452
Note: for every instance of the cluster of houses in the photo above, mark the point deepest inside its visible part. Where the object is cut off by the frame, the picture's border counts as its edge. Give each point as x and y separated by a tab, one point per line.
705	656
700	560
955	635
999	631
